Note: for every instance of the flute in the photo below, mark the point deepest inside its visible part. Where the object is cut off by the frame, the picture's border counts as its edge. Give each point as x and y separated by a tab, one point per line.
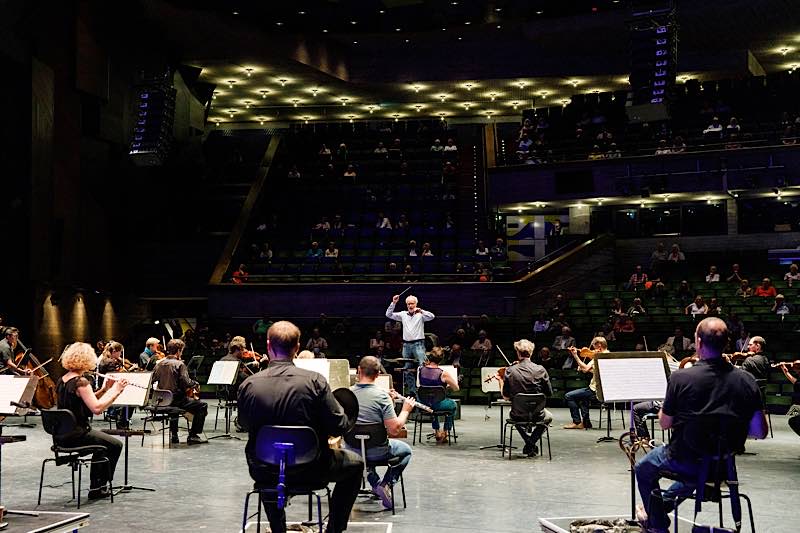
117	378
422	406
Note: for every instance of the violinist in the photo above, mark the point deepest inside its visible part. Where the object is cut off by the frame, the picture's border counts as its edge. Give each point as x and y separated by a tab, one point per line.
111	361
430	375
236	350
10	346
150	351
529	378
578	399
756	361
788	368
75	393
172	375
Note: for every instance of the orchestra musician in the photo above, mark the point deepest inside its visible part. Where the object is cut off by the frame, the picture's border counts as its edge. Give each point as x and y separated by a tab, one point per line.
578	400
285	394
375	405
527	377
111	361
172	375
10	346
74	392
150	350
757	363
236	352
430	375
712	386
794	419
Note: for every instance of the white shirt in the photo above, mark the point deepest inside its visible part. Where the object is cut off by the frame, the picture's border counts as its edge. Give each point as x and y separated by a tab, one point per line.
413	325
712	278
452	148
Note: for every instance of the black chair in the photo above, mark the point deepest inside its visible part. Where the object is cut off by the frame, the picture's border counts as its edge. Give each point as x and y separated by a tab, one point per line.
762	387
532	405
715	440
286	448
59	423
431	396
160	409
224	402
652	417
365	436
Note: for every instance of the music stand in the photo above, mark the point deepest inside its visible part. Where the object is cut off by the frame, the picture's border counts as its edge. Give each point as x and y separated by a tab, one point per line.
490	386
631	377
16	393
224	373
136	394
194	364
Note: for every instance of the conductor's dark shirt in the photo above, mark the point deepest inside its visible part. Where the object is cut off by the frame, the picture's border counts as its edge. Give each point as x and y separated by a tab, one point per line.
526	377
286	395
710	387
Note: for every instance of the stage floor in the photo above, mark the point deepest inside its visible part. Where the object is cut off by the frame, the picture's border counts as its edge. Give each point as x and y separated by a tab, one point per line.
454	489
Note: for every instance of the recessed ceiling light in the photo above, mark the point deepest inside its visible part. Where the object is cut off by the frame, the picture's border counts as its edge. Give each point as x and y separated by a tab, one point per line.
355	42
467	23
444	29
499	26
382	11
454	3
354	22
408	40
459	39
324	30
397	29
279	23
498	9
301	12
235	13
249	71
539	12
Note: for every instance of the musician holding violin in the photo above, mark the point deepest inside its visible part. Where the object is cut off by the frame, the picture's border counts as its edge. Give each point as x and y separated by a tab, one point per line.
525	376
74	392
578	399
111	361
284	394
794	412
172	375
754	360
9	347
150	351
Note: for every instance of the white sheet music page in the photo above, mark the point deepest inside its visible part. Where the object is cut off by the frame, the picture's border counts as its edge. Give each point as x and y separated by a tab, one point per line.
223	373
133	396
632	379
11	389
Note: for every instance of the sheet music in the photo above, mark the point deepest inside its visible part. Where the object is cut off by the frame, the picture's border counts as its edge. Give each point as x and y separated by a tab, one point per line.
320	366
133	396
493	385
11	390
335	371
384	381
223	373
632	379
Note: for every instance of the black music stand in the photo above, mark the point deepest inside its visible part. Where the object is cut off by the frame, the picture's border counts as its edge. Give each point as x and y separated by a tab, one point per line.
127	401
631	377
194	364
225	373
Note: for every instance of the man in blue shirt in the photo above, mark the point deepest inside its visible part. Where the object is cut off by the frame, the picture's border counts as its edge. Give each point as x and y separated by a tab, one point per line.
413	322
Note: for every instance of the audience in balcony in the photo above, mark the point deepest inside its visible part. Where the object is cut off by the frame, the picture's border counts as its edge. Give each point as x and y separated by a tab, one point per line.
637	280
675	254
426	250
483	273
613	151
792	276
383	222
789	136
617	308
412	249
482	345
451	147
396	150
713	275
679	342
317	343
559	323
765	290
294	173
240	275
663	148
402	222
498	251
323	226
541	325
636	308
408	274
350	172
437	147
678	145
715	128
332	251
381	150
733	127
325	154
780	307
560	306
596	153
342	154
265	254
736	274
744	290
482	250
448	169
563	341
714	308
315	252
697	307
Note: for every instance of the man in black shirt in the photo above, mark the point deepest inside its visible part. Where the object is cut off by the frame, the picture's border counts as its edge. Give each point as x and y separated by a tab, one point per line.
9	348
172	375
284	394
710	387
527	377
757	364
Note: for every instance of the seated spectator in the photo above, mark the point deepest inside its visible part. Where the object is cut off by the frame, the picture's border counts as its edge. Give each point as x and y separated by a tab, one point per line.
624	324
596	154
332	250
545	359
675	254
679	342
604	137
448	169
733	142
408	274
402	222
560	306
637	280
483	273
392	272
381	149
715	128
396	150
527	128
559	323
524	146
736	275
697	307
437	147
636	308
265	255
563	341
733	127
663	148
613	152
792	276
541	325
412	249
350	172
678	146
376	341
780	307
294	173
383	222
482	344
451	147
323	225
317	343
684	293
713	275
342	154
426	250
744	290
617	308
337	222
325	154
404	168
714	308
498	251
315	252
789	136
482	249
240	275
657	259
555	229
765	290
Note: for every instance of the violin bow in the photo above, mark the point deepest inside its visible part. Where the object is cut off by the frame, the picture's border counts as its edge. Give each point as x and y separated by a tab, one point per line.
504	355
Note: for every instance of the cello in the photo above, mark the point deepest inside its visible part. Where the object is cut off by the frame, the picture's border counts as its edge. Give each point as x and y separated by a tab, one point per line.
45	395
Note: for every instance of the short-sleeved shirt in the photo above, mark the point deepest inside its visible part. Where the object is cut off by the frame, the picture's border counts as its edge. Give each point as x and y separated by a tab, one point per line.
710	387
374	405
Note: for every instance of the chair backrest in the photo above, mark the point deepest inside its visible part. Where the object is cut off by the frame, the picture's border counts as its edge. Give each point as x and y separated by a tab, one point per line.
714	435
304	449
160	398
375	433
528	406
431	395
58	422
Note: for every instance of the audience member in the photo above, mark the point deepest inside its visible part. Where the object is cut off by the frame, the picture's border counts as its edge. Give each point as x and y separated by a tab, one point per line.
541	325
565	340
657	259
315	252
396	150
596	154
765	290
780	307
482	249
679	342
426	250
714	129
560	306
617	308
341	153
744	290
325	154
332	251
733	127
675	254
383	222
636	308
294	173
714	308
662	148
792	276
412	249
713	275
559	323
736	275
545	359
376	341
637	280
451	147
613	152
265	254
678	146
350	172
317	343
437	147
684	293
240	275
498	251
697	307
381	150
402	222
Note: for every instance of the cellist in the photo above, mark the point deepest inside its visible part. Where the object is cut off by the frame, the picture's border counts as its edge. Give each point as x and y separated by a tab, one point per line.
9	347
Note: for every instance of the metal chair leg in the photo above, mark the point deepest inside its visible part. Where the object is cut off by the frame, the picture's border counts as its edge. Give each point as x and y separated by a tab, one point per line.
403	491
80	471
41	482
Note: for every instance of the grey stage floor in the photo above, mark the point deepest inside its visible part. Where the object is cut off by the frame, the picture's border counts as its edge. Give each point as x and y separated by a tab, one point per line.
449	489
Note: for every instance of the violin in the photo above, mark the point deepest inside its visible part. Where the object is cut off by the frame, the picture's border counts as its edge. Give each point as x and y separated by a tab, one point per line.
193	393
789	365
689	362
587	353
736	357
501	373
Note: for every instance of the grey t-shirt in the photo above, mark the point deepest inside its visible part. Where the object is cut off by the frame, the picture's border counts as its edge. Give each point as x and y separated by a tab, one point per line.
374	405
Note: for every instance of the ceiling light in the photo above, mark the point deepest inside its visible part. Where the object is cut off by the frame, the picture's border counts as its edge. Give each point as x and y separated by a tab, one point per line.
353	22
263	93
442	97
521	84
396	117
247	104
416	88
382	11
784	50
515	104
261	122
543	94
467	23
295	102
444	29
279	23
371	108
351	118
574	83
355	42
234	13
468	86
492	95
324	30
539	12
315	91
418	107
283	82
398	29
249	71
459	39
408	40
499	26
564	101
231	83
301	12
231	112
345	100
498	9
467	105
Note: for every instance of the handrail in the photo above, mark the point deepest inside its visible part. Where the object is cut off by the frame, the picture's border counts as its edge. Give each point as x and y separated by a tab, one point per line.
244	215
561	259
